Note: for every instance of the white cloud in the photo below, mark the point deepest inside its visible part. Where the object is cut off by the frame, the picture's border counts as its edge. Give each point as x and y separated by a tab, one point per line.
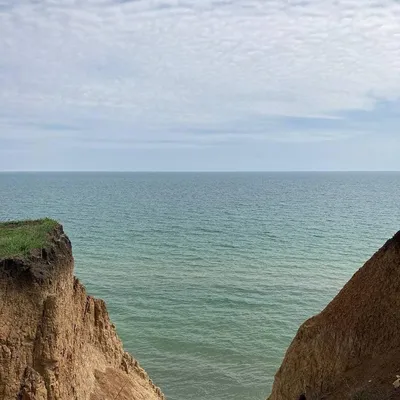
148	69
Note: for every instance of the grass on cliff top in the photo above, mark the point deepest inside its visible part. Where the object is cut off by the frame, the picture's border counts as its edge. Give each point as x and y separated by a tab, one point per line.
19	238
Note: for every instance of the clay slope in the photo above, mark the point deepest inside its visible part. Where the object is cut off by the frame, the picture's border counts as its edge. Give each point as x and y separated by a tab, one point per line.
351	350
56	342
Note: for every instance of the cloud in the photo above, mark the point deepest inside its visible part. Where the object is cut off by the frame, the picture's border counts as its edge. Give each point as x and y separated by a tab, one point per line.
197	73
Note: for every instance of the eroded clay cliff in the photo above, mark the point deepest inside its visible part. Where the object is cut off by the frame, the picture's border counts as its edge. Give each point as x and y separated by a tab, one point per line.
56	342
351	350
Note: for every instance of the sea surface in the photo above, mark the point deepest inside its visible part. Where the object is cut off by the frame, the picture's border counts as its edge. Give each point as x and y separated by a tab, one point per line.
207	276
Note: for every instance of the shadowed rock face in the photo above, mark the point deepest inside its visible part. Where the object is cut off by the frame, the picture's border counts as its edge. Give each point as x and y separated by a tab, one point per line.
351	350
56	342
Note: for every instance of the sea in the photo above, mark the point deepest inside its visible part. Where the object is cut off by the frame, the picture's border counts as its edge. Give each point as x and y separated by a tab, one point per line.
208	276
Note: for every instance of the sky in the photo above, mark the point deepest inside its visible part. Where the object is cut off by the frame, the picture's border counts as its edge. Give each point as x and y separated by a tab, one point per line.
205	85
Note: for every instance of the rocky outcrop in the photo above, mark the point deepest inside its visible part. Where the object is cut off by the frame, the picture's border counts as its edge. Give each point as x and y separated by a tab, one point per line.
56	342
351	350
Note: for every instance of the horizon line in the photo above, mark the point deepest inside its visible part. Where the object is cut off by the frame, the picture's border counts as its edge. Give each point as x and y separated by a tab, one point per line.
196	171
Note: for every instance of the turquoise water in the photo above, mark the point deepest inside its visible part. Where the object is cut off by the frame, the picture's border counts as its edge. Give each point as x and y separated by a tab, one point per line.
208	275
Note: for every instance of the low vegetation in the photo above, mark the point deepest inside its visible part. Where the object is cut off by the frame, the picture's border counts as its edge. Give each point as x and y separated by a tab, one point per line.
19	238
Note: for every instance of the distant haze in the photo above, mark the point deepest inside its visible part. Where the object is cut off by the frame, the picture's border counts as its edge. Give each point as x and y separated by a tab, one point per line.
176	85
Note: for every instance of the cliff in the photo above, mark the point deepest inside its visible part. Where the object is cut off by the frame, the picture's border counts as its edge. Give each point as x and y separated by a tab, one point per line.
351	350
56	342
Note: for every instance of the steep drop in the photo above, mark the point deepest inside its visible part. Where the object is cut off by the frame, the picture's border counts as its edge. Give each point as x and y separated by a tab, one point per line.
351	350
56	342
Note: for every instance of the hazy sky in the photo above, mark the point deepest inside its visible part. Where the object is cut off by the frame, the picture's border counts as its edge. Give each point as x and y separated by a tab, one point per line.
199	85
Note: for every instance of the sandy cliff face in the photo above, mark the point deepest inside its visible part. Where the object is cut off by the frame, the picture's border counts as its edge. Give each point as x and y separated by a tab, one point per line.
56	342
351	350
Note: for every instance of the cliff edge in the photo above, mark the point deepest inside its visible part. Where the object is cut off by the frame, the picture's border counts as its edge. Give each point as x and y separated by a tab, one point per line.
56	342
351	350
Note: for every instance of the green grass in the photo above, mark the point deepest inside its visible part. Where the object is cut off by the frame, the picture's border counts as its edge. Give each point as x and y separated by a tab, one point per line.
19	238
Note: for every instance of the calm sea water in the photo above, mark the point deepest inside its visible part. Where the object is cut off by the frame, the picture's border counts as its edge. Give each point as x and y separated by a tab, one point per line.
208	275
